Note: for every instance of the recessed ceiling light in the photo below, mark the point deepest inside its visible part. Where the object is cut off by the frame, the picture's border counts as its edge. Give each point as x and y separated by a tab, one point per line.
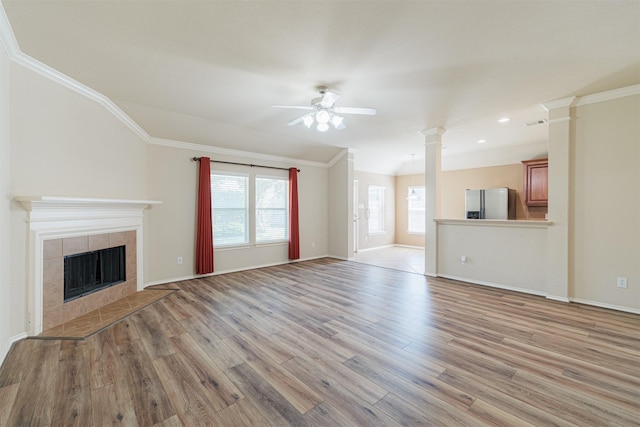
482	141
504	120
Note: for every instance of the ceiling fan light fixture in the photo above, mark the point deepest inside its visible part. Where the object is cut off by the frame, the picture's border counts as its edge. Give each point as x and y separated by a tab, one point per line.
323	117
336	121
322	127
308	121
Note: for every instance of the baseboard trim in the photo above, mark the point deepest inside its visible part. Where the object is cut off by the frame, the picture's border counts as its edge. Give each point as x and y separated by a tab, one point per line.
558	298
494	285
9	344
233	270
605	305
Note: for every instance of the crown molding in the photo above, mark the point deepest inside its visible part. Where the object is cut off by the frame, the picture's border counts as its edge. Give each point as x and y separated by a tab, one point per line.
560	103
229	152
609	95
338	156
8	40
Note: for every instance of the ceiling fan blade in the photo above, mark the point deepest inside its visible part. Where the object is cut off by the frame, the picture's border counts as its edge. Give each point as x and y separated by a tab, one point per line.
355	110
329	98
296	121
297	107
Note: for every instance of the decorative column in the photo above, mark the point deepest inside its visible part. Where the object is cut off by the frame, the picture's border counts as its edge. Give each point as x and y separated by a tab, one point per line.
433	147
560	140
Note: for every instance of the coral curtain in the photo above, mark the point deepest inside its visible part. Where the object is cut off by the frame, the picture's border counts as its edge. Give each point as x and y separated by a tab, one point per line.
204	233
294	231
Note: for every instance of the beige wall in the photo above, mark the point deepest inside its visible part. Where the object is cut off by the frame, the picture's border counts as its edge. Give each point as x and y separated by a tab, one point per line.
337	200
12	293
69	145
403	182
453	183
605	230
170	227
65	145
365	179
509	255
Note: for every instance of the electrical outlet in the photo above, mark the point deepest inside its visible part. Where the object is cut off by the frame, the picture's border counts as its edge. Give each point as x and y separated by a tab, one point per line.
179	260
622	282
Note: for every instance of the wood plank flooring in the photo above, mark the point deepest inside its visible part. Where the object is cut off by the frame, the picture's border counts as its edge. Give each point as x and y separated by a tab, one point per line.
334	343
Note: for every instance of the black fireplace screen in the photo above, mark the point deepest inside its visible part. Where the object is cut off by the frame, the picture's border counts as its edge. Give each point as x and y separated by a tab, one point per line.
91	271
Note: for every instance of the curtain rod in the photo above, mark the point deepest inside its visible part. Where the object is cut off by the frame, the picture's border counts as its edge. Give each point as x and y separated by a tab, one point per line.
197	159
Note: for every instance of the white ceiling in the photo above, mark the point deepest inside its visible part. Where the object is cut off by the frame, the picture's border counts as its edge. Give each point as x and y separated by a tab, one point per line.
208	72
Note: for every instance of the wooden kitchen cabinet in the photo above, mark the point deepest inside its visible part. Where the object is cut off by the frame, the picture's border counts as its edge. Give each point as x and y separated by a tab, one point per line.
536	179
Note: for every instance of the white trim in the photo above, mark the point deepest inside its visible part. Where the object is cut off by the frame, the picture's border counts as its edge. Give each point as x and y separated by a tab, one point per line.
609	95
375	248
60	217
338	156
560	103
433	131
559	120
515	223
558	298
605	305
7	37
9	344
410	246
493	285
233	270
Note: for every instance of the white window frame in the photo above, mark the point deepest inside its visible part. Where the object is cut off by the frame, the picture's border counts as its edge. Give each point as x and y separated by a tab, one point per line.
377	211
246	241
257	209
411	209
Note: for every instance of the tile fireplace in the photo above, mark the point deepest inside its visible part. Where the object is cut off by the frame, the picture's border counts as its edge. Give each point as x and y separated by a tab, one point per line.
64	226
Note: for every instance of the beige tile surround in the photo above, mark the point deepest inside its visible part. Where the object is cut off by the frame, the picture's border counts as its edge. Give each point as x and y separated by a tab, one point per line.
55	310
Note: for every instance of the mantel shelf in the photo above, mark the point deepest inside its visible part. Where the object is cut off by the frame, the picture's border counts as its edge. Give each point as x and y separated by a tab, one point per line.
34	203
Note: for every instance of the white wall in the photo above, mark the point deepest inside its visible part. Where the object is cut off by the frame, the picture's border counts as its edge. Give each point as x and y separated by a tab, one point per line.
606	202
170	227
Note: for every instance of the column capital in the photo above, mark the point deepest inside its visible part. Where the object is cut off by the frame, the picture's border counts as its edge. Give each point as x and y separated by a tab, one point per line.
439	131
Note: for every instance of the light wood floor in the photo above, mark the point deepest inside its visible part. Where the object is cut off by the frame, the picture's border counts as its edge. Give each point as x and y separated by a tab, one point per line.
334	343
396	257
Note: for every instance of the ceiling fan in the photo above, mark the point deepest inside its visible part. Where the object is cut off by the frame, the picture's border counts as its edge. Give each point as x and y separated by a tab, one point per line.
324	112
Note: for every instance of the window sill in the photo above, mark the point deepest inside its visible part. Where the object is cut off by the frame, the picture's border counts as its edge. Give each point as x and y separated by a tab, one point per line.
273	243
416	233
232	247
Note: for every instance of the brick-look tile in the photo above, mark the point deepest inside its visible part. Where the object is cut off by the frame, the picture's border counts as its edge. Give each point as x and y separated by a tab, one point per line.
99	241
75	245
52	248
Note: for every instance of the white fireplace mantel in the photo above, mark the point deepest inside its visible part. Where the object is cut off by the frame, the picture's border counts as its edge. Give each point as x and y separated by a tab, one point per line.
52	217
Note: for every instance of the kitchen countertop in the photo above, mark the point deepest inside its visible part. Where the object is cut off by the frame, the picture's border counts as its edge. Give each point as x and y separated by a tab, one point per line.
495	222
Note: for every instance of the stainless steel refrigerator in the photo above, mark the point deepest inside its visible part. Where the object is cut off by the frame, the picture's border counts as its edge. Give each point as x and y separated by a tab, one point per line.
491	203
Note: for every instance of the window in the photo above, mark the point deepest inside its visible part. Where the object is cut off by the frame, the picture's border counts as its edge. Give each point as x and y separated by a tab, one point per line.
416	209
272	209
375	213
229	201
